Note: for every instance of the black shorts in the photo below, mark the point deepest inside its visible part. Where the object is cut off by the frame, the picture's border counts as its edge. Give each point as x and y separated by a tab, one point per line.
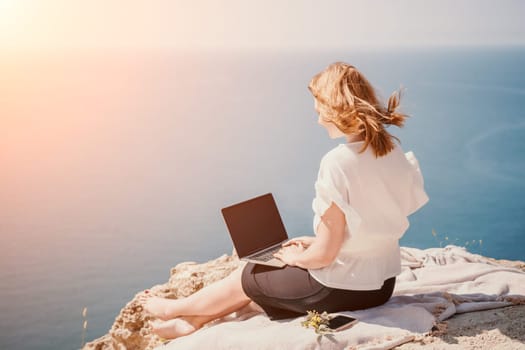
291	291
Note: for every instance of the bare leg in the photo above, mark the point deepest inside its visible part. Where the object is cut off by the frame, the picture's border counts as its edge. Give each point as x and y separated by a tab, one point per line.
185	325
214	299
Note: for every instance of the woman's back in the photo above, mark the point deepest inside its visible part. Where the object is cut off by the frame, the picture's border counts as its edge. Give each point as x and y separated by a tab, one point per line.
376	194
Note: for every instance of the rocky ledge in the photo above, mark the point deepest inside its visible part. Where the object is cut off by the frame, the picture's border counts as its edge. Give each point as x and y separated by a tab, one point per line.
131	330
473	330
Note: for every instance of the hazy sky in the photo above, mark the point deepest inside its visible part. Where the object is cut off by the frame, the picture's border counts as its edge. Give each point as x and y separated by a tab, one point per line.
263	24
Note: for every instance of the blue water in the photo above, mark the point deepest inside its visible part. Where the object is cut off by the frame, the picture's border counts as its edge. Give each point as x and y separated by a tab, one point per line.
115	165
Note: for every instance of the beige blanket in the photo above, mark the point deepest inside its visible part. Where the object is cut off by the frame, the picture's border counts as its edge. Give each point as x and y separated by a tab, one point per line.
435	284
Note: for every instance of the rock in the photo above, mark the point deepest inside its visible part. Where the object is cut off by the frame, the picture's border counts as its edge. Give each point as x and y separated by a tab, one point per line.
131	329
488	329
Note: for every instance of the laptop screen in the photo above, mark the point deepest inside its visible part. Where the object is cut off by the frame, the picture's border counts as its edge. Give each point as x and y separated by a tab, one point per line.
254	224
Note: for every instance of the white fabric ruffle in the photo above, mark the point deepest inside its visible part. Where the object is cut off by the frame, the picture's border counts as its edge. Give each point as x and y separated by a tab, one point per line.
419	196
325	195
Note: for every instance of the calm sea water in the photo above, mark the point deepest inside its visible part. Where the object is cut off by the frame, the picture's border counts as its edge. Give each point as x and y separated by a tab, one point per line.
114	166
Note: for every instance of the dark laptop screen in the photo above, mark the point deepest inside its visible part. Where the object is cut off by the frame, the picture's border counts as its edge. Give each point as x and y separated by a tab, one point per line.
254	224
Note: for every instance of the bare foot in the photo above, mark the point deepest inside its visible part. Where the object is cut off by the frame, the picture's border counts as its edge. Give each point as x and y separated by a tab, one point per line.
160	307
174	328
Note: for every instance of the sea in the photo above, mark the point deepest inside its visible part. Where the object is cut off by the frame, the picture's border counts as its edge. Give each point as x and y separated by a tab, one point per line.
114	164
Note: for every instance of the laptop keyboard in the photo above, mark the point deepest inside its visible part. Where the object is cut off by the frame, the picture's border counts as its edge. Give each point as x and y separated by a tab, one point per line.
265	256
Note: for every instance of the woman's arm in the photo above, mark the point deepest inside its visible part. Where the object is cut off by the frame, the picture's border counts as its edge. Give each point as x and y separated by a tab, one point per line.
324	249
304	241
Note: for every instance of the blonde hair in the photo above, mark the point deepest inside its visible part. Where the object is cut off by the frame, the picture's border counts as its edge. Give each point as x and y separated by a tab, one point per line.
349	101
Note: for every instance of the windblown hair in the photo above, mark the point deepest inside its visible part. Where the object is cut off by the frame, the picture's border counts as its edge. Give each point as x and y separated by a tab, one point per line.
346	99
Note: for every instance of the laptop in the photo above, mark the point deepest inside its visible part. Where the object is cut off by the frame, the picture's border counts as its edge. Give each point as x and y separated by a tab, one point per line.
256	229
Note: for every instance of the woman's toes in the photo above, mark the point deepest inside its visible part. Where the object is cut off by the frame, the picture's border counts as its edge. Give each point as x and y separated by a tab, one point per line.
171	329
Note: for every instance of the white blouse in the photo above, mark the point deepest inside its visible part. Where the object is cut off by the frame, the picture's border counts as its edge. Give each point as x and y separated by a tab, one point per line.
376	195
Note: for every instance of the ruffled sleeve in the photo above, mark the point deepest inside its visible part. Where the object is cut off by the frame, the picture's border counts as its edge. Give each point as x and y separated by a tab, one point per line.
418	194
330	187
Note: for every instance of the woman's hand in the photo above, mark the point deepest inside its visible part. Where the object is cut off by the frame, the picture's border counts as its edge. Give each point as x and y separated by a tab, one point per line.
304	241
319	251
289	254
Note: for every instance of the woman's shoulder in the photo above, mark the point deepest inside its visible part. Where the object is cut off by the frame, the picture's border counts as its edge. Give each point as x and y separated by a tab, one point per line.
339	156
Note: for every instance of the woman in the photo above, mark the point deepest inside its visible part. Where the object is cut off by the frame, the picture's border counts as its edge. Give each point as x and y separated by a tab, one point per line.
365	190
